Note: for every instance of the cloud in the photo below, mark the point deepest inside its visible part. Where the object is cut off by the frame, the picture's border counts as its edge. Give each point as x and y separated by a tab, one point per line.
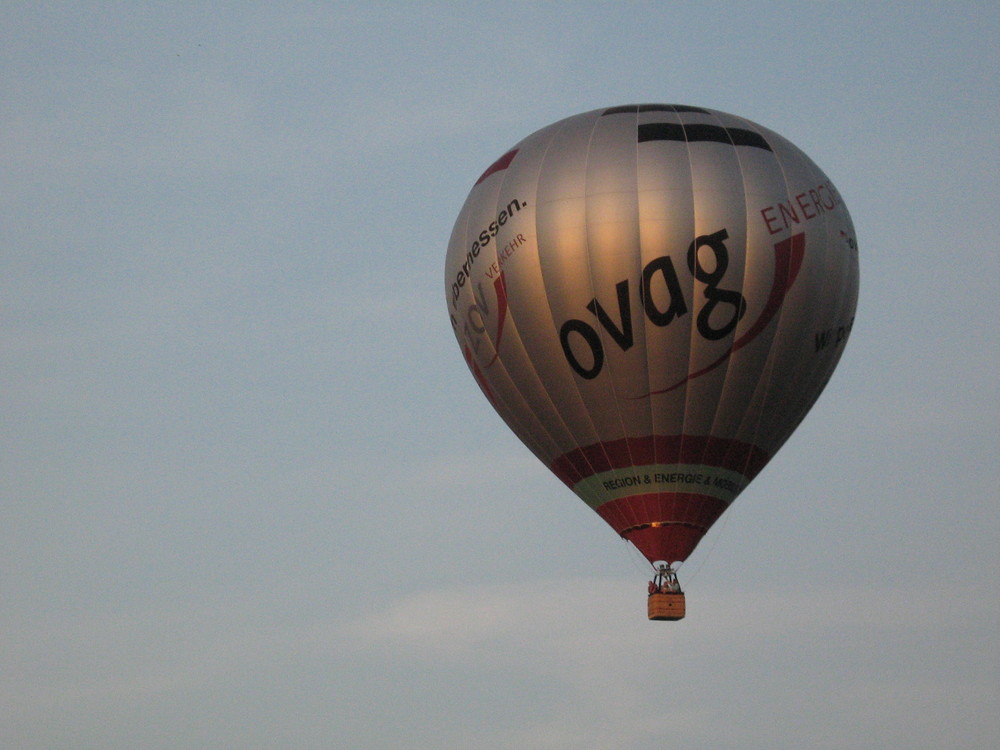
626	681
475	655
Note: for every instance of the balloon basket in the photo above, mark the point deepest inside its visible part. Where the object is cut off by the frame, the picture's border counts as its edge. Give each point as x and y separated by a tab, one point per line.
666	606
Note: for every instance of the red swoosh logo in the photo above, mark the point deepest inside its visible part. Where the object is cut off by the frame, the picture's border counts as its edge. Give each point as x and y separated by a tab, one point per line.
498	166
500	287
788	256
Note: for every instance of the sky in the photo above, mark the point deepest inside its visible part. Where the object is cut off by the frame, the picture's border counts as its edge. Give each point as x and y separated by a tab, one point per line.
250	496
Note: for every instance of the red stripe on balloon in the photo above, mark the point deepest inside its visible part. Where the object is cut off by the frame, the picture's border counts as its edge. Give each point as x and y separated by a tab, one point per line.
478	375
788	256
499	165
663	525
500	287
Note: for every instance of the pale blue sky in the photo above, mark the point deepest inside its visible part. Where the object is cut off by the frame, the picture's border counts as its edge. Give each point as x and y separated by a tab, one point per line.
251	497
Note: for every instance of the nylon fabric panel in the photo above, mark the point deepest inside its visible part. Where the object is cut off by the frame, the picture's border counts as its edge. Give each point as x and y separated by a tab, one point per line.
562	274
719	213
751	250
666	208
517	269
613	258
614	255
834	313
714	262
797	372
484	320
765	275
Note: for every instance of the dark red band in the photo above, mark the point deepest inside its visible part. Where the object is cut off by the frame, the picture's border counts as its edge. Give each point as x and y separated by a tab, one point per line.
498	166
663	525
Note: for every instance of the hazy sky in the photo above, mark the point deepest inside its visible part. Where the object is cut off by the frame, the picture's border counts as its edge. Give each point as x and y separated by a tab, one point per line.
252	498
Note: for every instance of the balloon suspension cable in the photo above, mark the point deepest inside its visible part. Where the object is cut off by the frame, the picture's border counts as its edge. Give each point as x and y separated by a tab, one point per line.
665	580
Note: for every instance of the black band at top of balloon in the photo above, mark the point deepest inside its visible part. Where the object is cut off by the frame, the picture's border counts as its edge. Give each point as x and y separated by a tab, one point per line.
633	108
692	132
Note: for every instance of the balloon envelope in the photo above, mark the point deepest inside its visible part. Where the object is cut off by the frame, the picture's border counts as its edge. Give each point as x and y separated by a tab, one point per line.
652	297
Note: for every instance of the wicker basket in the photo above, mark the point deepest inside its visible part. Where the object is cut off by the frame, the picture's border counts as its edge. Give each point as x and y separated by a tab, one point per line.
666	606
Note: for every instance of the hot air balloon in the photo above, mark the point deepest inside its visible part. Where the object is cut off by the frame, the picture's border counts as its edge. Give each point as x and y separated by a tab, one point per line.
652	297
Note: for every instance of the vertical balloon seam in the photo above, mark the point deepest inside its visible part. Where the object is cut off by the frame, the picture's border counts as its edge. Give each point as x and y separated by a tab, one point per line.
566	476
597	443
589	258
581	455
747	470
729	356
676	506
767	371
647	331
769	365
627	123
545	386
513	335
689	386
817	375
733	337
631	135
613	380
465	217
814	388
510	414
645	499
692	324
843	301
631	112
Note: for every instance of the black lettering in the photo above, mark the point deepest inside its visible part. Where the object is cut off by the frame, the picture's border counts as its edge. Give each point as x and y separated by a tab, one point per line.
821	339
676	308
467	330
480	299
713	294
622	336
477	326
482	240
590	337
